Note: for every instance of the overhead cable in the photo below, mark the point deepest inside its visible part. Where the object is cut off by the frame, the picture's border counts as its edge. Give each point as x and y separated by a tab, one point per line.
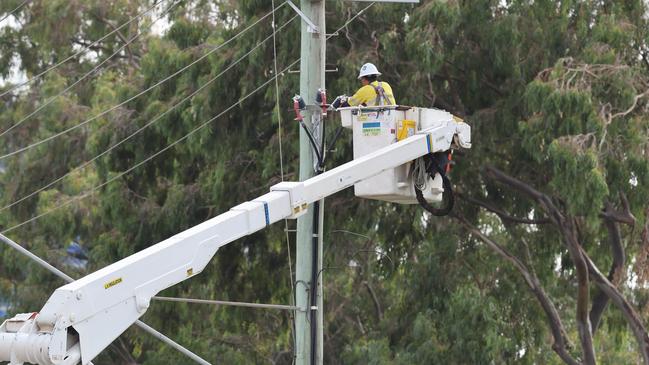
14	11
68	88
223	302
68	279
49	267
281	171
121	104
148	124
92	190
97	187
82	50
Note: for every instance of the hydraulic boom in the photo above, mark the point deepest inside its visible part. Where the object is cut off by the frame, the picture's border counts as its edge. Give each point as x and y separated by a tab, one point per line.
82	318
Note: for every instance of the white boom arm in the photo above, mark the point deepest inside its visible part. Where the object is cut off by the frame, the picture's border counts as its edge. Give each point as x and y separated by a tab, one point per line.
102	305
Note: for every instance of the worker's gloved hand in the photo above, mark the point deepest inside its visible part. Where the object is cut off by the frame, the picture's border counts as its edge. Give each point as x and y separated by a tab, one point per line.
339	102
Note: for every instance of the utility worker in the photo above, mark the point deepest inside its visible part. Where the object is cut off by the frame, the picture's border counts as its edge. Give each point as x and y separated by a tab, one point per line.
372	93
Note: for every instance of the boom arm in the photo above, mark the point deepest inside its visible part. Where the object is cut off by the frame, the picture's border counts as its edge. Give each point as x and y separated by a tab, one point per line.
102	305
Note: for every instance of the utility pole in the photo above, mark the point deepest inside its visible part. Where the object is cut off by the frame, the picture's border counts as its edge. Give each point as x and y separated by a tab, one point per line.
312	77
308	273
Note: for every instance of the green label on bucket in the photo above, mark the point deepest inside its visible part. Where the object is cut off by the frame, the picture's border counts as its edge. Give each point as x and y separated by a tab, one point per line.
372	129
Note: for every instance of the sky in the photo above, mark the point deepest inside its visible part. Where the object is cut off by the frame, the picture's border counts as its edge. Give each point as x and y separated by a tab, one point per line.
160	27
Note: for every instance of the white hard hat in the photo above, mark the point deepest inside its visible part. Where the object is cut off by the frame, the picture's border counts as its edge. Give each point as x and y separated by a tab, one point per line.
368	69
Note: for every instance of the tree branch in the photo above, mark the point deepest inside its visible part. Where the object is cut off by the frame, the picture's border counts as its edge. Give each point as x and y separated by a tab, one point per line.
89	45
501	213
561	342
567	227
624	216
629	313
377	305
119	35
568	230
616	272
631	316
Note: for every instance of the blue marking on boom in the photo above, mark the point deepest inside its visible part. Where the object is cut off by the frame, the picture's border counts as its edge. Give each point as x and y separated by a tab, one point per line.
266	212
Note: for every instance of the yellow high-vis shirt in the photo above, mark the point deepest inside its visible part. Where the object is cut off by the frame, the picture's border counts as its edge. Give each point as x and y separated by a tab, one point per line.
368	96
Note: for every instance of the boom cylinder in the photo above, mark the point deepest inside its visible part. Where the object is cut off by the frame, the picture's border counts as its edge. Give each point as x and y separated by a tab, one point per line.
25	347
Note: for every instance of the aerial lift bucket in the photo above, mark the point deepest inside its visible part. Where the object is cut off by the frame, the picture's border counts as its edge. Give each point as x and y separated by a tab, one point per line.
376	127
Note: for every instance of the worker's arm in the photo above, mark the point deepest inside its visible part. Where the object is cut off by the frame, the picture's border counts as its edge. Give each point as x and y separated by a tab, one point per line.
100	306
363	96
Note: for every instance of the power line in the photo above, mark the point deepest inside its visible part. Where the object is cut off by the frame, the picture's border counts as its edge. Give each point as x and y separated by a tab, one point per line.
279	114
151	122
223	302
139	323
13	11
160	336
92	190
83	196
82	50
68	279
68	88
281	169
95	117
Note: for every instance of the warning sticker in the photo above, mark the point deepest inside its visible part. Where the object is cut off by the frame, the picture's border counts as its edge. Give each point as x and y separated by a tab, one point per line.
372	129
363	117
112	283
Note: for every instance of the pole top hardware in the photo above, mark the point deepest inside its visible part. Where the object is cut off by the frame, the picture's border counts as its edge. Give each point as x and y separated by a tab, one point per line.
311	28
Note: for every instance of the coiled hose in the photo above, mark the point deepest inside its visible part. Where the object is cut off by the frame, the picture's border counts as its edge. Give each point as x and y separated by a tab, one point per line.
433	167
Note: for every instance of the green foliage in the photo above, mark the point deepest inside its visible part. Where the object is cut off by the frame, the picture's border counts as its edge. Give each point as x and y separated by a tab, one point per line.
575	175
553	92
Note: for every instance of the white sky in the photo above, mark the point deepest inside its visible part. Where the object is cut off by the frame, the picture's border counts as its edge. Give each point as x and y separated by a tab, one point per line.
159	28
16	75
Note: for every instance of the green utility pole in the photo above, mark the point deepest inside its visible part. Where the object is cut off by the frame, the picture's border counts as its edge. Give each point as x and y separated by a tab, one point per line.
312	78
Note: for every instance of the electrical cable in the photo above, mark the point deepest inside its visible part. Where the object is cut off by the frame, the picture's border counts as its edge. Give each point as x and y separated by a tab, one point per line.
13	11
337	134
279	114
69	87
313	306
230	303
151	122
314	144
176	73
82	50
144	326
156	154
68	279
92	190
316	227
281	171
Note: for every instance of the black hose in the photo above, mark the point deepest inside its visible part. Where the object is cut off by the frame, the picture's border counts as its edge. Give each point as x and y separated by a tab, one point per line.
335	138
320	154
432	168
314	145
314	282
323	148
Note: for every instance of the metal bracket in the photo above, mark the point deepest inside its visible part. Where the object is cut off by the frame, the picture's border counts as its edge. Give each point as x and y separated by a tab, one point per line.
327	71
312	28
